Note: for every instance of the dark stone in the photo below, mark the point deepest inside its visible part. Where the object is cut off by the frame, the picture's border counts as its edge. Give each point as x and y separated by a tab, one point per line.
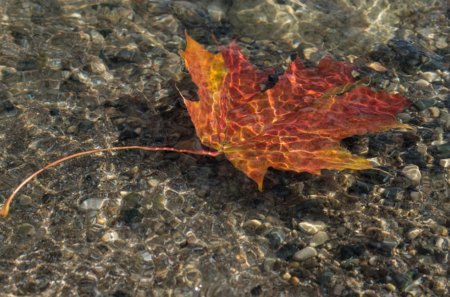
407	56
131	215
392	193
378	143
120	293
441	151
424	104
256	291
84	126
401	280
406	53
375	177
381	247
351	251
447	102
287	251
383	54
54	112
309	207
427	135
412	156
105	32
27	65
275	237
409	140
7	108
127	134
359	188
325	278
432	61
73	85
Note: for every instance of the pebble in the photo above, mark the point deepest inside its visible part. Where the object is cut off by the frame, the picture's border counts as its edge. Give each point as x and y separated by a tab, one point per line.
412	234
377	67
217	10
424	104
295	281
91	204
445	163
319	238
422	83
312	227
441	43
306	253
430	76
286	276
275	237
25	230
308	52
435	112
110	236
412	172
253	224
146	256
442	244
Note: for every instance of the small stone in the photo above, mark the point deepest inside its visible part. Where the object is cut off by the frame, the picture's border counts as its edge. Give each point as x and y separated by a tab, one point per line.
377	67
275	237
422	83
146	256
25	230
412	234
306	253
110	236
424	104
444	163
294	280
308	52
405	117
442	244
435	112
97	66
430	76
312	227
25	200
416	196
286	276
91	204
412	172
441	43
252	224
216	10
319	238
391	287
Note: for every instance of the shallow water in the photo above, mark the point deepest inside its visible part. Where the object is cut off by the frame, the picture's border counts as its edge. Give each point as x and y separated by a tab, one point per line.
76	75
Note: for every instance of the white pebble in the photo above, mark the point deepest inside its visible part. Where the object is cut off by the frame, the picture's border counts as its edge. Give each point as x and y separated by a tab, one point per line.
319	238
92	204
412	172
445	163
430	76
422	83
306	253
110	236
312	227
414	233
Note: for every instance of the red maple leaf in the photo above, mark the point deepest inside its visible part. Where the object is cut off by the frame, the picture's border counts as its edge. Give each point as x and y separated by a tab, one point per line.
296	125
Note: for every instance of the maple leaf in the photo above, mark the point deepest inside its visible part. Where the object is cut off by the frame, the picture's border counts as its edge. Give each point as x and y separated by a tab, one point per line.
297	125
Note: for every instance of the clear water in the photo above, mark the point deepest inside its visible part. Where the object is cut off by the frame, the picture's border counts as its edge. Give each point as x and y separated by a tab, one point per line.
76	75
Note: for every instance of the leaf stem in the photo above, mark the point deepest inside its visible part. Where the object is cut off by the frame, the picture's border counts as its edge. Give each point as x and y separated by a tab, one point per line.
5	209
